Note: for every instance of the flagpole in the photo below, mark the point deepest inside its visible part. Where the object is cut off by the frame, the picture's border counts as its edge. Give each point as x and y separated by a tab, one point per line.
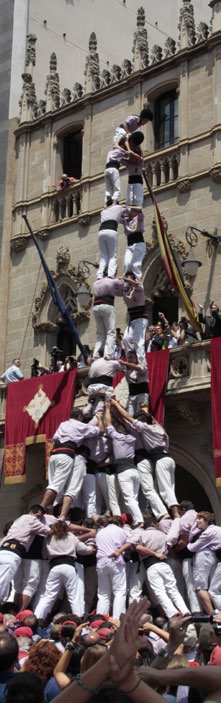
55	293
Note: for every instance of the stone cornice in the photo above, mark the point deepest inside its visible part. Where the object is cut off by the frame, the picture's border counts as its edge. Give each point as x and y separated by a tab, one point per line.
122	84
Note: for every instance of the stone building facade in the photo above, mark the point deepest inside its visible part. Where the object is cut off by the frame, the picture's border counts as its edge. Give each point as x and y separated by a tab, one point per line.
73	130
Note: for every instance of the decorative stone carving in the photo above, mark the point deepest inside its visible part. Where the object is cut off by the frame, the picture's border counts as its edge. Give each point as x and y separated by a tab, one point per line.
126	69
63	257
115	73
186	25
184	186
179	367
92	68
140	48
215	173
28	101
44	235
202	32
19	243
66	96
105	78
80	317
156	54
52	90
169	48
188	413
84	219
30	50
41	108
77	91
43	326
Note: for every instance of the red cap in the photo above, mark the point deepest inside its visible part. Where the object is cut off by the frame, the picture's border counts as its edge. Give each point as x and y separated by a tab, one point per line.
23	614
23	632
96	623
105	632
1	618
215	657
127	518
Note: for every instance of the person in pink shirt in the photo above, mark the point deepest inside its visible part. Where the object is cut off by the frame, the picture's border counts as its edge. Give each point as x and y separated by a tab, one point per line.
111	216
134	335
111	570
206	548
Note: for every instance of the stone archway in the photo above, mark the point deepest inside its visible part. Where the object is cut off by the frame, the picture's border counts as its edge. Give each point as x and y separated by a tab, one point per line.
203	477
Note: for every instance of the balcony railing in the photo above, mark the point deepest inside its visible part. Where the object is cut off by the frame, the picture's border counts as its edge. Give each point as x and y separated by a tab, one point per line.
66	203
189	370
163	167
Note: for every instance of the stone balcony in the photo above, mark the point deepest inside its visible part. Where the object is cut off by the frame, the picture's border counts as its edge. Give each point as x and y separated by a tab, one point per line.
66	203
189	371
162	167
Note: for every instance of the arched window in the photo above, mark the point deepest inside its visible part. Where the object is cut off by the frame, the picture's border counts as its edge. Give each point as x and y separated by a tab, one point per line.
166	119
72	154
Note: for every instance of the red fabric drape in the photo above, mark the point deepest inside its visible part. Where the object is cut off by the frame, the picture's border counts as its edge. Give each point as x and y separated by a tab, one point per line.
34	409
157	363
215	358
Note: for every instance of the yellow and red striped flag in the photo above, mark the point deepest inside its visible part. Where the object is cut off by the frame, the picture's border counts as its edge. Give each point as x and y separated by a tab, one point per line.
171	266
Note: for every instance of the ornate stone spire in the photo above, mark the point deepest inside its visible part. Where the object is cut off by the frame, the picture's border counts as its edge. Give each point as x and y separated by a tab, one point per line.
216	15
52	90
28	102
140	44
186	25
92	68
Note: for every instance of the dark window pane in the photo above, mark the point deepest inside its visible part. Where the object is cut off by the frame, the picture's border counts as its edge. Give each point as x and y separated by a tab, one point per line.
166	119
73	154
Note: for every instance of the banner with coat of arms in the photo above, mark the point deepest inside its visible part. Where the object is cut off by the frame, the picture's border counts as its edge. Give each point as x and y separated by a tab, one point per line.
34	409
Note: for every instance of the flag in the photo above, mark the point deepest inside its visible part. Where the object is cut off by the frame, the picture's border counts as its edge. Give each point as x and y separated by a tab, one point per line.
172	266
55	293
37	405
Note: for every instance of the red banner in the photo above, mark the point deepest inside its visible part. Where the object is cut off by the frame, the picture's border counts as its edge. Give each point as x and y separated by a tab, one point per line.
34	409
157	363
215	358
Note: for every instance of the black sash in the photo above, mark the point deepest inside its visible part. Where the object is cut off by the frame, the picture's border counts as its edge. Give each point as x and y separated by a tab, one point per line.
137	312
104	299
87	560
106	380
91	466
136	388
109	224
113	164
14	546
134	238
135	179
68	448
149	561
121	465
58	561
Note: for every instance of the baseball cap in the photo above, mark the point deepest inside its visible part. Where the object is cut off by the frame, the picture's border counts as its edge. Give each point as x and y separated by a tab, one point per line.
23	614
23	632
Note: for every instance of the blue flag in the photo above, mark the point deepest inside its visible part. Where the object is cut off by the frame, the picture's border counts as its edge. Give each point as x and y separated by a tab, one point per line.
55	293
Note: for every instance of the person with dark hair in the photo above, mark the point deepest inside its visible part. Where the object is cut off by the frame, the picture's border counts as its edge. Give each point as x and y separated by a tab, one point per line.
19	539
116	156
177	538
8	659
105	290
212	321
111	216
111	570
130	124
135	169
137	378
206	568
24	687
62	548
13	373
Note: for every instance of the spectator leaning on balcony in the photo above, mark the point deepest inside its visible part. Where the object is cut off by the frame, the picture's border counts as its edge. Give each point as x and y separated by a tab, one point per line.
212	321
13	373
65	181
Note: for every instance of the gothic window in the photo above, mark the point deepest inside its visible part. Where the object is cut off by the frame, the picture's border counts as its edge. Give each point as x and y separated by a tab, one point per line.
166	119
72	154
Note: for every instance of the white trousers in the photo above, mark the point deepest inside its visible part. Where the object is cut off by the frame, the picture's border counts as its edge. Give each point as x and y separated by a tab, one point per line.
204	566
187	569
107	242
111	582
89	494
112	183
102	494
27	577
74	485
163	583
129	483
44	571
62	575
165	477
114	495
134	194
136	575
147	485
59	469
133	258
134	338
80	588
9	564
215	587
135	401
105	330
